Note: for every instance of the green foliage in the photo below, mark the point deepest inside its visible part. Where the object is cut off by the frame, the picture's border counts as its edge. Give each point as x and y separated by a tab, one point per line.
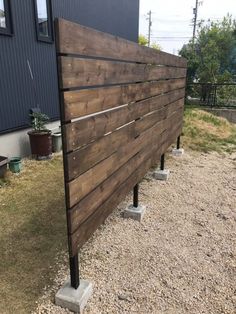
212	56
38	121
142	40
156	46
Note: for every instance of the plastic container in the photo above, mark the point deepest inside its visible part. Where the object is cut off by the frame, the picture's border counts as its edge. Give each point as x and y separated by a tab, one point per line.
15	164
56	142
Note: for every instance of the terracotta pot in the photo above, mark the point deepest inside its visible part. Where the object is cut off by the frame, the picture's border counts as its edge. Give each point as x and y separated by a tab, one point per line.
41	144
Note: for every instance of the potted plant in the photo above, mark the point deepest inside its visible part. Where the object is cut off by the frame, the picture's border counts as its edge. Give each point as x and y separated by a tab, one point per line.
40	137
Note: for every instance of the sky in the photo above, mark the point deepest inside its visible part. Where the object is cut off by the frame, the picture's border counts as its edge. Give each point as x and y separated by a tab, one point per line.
171	20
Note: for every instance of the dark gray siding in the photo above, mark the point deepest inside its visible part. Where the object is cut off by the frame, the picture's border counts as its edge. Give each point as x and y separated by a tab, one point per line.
17	95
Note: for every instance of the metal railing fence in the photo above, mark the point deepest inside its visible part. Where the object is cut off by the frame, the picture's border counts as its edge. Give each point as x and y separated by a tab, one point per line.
212	95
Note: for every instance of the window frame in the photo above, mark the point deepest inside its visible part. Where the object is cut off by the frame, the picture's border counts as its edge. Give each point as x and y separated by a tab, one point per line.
49	38
8	30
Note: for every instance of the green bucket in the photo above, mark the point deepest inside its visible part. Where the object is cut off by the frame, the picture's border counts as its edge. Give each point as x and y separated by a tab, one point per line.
15	164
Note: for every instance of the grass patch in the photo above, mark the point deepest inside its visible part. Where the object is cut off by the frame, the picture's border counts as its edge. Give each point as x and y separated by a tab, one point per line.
205	132
33	233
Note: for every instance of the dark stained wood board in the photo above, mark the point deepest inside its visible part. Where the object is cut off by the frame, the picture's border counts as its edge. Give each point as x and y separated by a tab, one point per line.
78	72
80	40
93	127
84	231
107	171
121	108
80	103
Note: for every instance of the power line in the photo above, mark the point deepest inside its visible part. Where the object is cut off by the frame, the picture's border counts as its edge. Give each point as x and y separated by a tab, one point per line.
161	33
173	39
170	20
170	37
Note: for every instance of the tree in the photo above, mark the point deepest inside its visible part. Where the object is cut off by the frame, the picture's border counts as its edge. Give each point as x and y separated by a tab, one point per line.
142	40
212	56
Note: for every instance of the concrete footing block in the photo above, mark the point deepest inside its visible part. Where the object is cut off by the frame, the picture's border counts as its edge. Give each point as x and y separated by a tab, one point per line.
74	299
135	213
177	152
161	174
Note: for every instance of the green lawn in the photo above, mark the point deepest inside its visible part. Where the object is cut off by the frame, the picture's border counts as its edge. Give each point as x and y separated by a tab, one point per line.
33	233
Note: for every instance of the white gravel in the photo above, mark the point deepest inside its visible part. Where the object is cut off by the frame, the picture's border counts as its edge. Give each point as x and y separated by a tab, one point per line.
180	259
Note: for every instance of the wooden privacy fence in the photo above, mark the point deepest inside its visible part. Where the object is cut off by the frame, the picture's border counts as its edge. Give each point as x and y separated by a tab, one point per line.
121	108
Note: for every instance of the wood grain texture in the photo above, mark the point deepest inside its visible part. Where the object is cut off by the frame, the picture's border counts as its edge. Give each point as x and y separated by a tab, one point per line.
86	229
79	72
77	39
105	175
91	128
87	157
121	108
80	103
85	183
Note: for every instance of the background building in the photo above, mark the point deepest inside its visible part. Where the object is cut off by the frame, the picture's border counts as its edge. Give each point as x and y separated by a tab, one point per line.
27	50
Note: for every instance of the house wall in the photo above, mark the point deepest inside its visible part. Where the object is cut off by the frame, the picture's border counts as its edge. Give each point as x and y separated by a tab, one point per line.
17	92
15	144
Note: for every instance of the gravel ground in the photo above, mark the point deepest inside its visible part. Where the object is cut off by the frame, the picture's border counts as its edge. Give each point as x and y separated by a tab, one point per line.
180	259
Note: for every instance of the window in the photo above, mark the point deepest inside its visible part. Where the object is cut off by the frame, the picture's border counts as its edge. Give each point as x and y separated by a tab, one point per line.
5	18
43	20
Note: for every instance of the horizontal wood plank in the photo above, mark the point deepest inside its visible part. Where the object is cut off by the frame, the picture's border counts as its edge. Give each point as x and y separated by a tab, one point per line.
78	72
108	187
88	101
85	158
77	39
86	229
90	155
84	232
91	128
86	183
121	108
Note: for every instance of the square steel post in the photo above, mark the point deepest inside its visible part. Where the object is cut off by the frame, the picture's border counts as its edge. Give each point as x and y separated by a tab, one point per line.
162	167
74	271
135	196
178	142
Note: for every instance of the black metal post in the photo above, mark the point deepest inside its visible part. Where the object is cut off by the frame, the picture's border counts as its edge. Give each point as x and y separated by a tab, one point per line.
162	162
178	142
135	196
74	271
215	99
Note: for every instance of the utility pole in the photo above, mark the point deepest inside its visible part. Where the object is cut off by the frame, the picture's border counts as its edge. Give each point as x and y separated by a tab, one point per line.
195	14
149	27
195	11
